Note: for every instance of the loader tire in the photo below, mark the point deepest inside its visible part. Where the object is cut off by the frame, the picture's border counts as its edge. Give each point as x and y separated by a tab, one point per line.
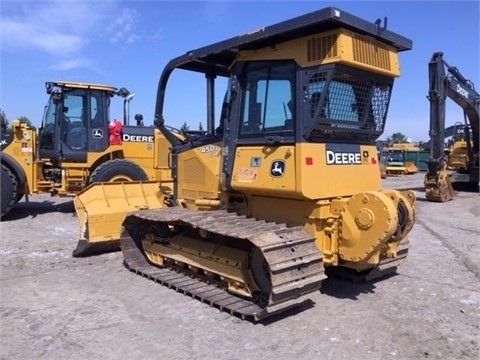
9	190
118	170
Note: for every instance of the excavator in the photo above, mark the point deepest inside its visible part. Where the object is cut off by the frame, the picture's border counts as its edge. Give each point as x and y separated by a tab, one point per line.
78	144
446	81
285	188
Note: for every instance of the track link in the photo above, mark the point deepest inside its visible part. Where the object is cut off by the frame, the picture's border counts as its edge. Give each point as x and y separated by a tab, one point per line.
293	261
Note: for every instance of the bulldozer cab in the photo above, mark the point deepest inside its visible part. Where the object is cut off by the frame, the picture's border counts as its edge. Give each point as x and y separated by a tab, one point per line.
295	102
75	121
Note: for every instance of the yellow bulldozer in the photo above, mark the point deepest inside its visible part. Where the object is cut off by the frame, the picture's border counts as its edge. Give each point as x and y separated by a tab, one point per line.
285	188
78	144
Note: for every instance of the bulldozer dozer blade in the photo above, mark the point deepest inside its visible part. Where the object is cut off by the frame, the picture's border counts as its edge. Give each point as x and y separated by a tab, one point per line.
101	209
86	248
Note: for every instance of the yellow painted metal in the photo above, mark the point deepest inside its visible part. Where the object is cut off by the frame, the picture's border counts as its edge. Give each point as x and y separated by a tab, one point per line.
230	265
404	147
247	178
457	158
208	203
411	167
317	178
395	160
152	157
342	206
367	221
354	231
440	188
102	207
199	171
406	199
408	169
78	85
23	150
339	45
308	174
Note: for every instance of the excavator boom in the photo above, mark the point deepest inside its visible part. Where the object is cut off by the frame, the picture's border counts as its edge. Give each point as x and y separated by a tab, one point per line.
445	82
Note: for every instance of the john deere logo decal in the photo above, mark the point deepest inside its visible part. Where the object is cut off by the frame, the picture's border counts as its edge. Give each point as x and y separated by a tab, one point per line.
97	133
277	169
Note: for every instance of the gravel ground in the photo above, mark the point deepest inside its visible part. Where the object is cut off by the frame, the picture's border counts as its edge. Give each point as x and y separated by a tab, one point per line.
54	306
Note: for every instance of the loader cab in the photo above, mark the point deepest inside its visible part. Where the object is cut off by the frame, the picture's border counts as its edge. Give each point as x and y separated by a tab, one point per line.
75	122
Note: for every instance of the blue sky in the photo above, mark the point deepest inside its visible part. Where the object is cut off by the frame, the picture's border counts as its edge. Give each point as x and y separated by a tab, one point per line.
127	44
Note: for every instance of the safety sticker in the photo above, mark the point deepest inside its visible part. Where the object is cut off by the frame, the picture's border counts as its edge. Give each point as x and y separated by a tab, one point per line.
247	175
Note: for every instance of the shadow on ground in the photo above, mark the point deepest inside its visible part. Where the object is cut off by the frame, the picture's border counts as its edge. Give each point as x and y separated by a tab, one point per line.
32	209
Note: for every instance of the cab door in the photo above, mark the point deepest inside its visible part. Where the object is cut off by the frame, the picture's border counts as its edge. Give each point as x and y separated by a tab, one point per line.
261	141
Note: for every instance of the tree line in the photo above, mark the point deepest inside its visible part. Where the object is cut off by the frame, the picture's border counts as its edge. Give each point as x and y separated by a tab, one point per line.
5	123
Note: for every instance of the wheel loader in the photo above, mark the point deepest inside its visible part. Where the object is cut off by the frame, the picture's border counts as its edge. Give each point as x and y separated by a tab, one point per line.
285	188
78	144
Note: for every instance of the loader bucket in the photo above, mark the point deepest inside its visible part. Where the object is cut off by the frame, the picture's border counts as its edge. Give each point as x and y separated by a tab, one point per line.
102	207
411	168
396	170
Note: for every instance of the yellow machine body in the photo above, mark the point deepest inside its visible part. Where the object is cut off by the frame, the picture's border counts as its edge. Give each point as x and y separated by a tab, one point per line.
354	223
255	218
151	156
70	152
457	158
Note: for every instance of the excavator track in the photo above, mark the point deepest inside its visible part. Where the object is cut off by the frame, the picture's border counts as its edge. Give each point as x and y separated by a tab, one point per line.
289	258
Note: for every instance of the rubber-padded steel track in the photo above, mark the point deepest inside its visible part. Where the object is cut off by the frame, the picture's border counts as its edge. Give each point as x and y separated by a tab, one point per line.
294	263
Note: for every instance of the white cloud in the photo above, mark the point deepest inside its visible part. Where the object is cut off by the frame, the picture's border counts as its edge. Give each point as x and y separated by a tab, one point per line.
157	35
122	28
64	29
69	64
29	35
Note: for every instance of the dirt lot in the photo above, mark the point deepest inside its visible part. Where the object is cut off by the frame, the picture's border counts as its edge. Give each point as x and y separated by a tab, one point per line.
53	306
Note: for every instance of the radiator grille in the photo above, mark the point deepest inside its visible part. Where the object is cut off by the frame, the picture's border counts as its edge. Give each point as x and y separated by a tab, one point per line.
370	52
194	172
322	47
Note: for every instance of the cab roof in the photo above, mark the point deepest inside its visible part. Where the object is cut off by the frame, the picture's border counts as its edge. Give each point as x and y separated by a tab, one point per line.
77	85
219	56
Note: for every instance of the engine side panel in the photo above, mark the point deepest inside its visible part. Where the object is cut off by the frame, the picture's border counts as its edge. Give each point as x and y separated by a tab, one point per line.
306	171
